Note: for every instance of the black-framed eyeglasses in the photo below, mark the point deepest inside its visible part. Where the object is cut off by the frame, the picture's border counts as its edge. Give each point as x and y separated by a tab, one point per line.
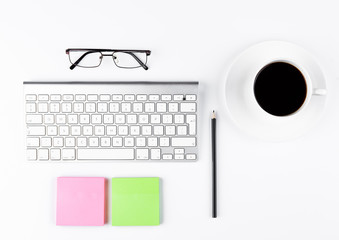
91	58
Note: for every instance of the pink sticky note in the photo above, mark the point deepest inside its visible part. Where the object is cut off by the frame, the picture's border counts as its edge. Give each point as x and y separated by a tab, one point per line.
80	201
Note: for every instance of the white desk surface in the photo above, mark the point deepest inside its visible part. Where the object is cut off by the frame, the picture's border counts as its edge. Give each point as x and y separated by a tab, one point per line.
287	190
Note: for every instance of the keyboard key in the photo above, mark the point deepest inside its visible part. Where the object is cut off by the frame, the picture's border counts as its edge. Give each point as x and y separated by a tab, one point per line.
129	142
117	142
117	97
125	107
192	124
43	97
183	142
87	130
141	97
46	142
70	142
167	119
31	97
30	107
120	119
114	107
82	142
137	107
142	154
129	97
58	142
96	119
135	130
191	156
34	119
102	107
36	130
143	119
55	154
155	153
178	97
146	130
61	118
48	119
170	130
179	156
152	142
188	107
167	156
166	97
108	119
43	154
68	97
31	154
54	107
111	130
106	154
179	118
94	142
141	142
149	107
63	130
123	130
75	130
42	107
55	97
179	151
84	118
105	97
154	97
72	119
80	97
164	142
158	130
173	107
182	130
92	97
161	107
99	130
155	118
68	154
78	107
90	107
33	142
105	142
191	97
131	118
52	130
66	107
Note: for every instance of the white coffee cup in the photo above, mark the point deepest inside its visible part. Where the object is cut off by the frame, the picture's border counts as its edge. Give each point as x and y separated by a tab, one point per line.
310	90
243	106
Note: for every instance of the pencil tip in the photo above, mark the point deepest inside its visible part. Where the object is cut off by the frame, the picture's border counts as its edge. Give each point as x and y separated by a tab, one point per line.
213	114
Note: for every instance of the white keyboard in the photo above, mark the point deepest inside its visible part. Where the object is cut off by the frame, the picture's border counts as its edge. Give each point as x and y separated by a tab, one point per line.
91	121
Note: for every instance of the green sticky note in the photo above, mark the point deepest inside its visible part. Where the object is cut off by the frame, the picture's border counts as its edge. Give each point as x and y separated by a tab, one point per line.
135	202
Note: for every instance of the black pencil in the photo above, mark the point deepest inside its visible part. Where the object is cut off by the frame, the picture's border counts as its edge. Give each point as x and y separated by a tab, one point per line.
214	166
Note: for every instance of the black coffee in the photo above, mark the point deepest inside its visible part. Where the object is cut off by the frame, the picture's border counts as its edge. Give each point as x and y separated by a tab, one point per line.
280	88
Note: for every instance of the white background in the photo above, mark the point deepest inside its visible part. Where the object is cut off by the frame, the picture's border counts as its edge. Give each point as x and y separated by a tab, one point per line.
287	190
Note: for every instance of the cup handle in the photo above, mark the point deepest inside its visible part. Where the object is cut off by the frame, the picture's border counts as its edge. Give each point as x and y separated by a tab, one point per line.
319	91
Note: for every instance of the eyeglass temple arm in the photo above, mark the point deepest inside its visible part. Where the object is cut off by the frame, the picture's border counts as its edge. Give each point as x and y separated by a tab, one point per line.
138	60
79	59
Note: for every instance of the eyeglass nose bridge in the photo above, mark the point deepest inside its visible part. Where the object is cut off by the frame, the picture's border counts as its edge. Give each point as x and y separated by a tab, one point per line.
107	55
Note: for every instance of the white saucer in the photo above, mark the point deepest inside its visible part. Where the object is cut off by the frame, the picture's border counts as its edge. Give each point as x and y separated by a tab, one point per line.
245	111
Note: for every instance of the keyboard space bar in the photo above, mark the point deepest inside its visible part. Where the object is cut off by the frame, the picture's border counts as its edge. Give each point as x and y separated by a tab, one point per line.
105	154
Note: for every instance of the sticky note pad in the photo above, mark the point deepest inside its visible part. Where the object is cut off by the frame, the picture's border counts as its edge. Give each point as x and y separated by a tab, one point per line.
135	201
80	201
